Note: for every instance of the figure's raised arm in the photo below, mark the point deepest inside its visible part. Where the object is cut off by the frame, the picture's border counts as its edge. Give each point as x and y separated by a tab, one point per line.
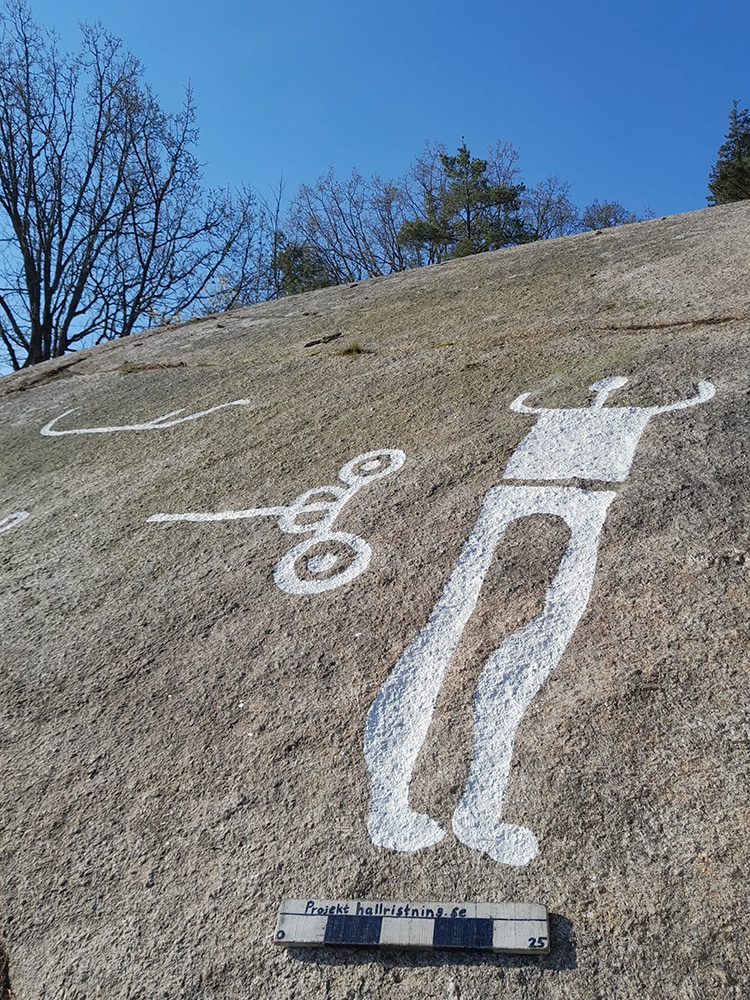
519	407
706	391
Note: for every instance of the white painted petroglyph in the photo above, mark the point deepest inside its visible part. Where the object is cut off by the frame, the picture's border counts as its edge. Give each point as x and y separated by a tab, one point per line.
11	520
287	578
321	564
398	721
157	424
515	671
595	443
315	511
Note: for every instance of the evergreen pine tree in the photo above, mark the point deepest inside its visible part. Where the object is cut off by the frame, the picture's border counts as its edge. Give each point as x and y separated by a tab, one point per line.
730	176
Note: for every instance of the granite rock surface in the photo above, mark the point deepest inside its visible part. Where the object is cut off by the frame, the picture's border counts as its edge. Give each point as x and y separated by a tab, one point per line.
182	738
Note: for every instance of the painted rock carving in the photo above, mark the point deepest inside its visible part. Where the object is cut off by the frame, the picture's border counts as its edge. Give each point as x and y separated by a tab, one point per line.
327	559
11	520
595	443
157	424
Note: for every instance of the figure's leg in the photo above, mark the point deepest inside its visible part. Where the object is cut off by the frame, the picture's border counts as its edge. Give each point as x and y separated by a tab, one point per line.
400	716
515	671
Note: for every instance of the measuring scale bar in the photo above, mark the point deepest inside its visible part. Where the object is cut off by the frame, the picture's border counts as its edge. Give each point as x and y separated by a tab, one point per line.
515	927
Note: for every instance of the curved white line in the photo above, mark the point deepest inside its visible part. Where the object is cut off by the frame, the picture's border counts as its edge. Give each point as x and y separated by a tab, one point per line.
11	520
151	425
396	459
706	391
287	579
518	405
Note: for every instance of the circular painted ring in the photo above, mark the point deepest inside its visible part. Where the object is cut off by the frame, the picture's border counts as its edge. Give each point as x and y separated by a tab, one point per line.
371	465
285	572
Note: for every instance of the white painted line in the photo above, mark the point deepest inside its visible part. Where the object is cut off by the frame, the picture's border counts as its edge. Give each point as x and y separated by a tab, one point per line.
11	520
224	515
286	572
157	424
321	564
400	716
313	513
594	443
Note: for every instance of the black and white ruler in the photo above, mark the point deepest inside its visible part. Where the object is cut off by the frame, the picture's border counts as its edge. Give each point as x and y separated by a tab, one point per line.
515	927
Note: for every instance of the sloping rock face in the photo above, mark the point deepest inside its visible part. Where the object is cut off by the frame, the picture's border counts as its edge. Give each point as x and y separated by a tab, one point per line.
498	653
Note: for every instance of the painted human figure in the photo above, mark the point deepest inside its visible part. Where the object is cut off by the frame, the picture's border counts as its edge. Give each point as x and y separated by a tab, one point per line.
597	443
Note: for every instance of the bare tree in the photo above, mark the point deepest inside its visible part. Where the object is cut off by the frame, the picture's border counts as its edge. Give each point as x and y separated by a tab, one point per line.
606	215
425	233
548	211
350	226
105	227
445	206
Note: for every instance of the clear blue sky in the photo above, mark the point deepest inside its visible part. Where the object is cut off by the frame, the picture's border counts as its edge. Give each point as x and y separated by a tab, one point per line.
626	99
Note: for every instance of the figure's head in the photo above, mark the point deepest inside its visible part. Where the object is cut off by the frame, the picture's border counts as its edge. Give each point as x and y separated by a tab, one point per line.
605	387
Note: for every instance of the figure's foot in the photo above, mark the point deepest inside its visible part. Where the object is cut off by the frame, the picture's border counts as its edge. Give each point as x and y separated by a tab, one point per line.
504	842
402	830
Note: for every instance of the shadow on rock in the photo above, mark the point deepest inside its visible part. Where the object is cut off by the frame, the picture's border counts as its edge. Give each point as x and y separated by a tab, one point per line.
5	991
